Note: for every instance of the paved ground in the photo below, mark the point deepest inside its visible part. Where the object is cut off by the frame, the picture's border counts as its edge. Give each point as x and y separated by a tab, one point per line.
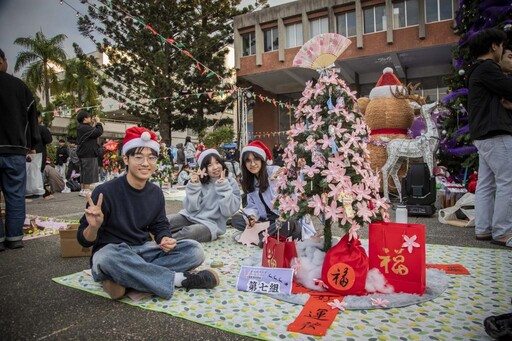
32	306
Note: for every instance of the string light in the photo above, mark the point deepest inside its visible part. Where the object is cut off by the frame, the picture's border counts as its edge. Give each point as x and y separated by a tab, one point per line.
205	69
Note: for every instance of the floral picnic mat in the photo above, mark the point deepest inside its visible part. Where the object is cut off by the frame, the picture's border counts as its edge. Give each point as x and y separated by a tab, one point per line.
43	226
457	314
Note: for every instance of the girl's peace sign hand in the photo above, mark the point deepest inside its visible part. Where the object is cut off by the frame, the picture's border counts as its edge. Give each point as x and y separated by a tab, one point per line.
222	177
93	213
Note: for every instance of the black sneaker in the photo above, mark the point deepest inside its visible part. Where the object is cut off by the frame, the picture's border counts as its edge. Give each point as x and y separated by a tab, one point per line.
13	244
499	327
2	246
204	279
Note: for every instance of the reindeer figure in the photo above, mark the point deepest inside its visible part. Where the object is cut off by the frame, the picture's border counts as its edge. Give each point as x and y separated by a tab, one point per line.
423	146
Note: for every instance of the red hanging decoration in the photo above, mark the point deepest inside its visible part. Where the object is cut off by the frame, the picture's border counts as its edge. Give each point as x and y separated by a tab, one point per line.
151	29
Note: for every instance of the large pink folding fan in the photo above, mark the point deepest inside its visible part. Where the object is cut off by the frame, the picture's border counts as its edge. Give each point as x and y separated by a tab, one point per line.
321	51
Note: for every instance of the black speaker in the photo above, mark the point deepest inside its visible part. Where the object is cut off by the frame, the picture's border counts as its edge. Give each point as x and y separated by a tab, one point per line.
419	190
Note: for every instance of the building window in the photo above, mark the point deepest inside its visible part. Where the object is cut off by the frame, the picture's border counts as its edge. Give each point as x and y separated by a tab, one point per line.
374	19
347	23
405	13
438	10
319	26
294	35
248	44
271	39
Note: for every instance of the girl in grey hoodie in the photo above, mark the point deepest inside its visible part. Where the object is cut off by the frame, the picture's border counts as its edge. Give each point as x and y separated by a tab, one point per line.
212	196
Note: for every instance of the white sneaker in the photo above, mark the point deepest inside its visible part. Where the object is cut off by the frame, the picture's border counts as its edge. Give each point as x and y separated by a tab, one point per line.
66	190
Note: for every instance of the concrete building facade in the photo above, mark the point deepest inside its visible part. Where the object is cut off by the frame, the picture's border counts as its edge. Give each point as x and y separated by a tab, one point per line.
414	37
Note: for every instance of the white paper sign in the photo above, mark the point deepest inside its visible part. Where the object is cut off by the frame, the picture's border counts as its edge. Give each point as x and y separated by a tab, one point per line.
265	280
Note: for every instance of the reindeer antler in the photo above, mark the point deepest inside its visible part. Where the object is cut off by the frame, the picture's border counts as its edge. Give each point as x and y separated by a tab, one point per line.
409	92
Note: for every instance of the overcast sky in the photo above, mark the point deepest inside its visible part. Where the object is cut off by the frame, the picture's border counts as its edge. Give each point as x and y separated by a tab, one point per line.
23	18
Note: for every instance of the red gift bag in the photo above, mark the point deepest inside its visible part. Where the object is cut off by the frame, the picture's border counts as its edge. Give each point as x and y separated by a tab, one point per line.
398	251
278	252
345	267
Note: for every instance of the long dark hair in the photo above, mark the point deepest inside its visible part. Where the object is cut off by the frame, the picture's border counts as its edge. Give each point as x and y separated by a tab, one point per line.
206	161
248	178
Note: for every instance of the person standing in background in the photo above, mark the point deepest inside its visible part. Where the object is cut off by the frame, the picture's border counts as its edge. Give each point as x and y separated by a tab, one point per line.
190	151
490	127
37	161
61	158
88	131
180	156
74	161
18	136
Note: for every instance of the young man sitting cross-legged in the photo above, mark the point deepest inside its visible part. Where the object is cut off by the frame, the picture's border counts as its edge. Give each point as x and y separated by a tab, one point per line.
119	217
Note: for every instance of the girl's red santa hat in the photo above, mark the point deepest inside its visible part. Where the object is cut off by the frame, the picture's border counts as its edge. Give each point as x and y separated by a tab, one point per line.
258	148
387	84
136	137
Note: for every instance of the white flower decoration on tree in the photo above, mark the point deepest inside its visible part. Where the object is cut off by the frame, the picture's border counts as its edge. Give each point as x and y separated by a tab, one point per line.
337	304
410	243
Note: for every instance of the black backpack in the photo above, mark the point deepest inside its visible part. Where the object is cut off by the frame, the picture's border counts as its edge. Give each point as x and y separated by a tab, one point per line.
73	185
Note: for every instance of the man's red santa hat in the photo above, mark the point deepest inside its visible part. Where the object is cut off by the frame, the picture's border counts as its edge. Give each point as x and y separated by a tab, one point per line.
387	84
140	137
259	148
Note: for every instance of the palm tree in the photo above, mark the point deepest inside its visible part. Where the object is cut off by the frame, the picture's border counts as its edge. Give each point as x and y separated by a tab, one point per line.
80	81
42	57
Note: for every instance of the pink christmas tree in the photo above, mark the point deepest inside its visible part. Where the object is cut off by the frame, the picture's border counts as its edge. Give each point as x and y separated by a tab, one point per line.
329	174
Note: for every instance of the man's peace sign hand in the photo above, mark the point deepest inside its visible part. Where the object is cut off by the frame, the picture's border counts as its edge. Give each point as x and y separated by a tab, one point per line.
93	213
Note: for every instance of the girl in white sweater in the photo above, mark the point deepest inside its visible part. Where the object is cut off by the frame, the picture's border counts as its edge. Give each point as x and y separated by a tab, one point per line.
211	198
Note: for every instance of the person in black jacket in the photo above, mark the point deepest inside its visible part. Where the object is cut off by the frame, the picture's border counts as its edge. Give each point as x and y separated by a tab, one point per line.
490	126
18	136
61	157
88	131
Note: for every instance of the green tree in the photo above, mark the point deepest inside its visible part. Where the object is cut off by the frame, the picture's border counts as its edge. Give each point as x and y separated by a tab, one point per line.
219	137
82	81
144	65
42	56
457	152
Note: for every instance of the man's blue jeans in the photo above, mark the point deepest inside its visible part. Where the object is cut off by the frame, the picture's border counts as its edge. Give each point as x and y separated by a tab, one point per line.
493	197
146	267
13	178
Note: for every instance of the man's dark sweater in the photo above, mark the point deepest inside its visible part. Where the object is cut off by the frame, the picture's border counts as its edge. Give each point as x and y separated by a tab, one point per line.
18	122
129	215
86	138
487	86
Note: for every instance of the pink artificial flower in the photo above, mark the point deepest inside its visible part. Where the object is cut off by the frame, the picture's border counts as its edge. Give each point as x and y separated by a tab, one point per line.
299	186
289	205
312	112
379	302
318	281
310	144
364	211
265	236
361	192
325	142
318	90
345	148
352	233
310	170
335	191
297	129
337	160
337	304
359	127
316	123
316	203
338	129
410	243
331	79
332	211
